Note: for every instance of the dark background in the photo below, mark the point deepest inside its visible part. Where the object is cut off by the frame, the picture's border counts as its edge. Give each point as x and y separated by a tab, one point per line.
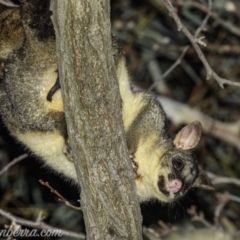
147	32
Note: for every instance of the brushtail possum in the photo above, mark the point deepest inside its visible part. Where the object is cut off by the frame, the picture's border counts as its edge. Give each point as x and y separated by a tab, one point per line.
32	110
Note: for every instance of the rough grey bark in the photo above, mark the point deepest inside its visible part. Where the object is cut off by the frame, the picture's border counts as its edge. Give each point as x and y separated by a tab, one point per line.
93	114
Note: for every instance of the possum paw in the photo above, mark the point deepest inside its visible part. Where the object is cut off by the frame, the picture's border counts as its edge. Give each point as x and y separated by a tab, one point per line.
67	151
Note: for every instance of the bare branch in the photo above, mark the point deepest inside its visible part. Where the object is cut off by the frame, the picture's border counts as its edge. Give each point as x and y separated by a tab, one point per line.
227	132
185	49
13	162
61	198
8	3
40	225
179	59
194	41
222	201
13	229
232	197
215	179
227	25
199	217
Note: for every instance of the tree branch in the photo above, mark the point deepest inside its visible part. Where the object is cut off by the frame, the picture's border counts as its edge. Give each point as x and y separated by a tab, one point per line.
39	225
215	179
93	114
185	49
194	41
228	132
227	25
60	196
8	3
13	162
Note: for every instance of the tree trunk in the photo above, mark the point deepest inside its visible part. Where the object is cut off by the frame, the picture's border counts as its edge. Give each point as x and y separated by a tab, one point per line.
93	115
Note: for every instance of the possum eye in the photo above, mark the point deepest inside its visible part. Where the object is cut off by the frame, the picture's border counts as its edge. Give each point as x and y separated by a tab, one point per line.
178	164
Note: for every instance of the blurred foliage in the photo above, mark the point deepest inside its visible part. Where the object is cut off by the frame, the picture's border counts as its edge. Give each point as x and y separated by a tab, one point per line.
147	32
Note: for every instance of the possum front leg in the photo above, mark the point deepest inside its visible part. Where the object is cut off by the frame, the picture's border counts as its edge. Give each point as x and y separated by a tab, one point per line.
134	164
66	148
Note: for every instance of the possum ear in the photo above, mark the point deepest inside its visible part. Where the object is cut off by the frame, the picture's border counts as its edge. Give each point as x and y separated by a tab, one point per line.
189	137
203	181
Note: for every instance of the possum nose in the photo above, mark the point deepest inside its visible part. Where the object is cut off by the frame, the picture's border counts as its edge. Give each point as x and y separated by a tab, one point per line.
174	185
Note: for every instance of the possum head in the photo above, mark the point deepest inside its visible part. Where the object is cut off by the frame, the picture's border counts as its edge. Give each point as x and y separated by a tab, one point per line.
178	167
171	169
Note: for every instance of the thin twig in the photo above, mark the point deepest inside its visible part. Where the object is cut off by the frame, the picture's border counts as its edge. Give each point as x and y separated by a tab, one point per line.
232	197
14	228
194	41
61	198
222	201
215	179
227	25
150	233
40	217
198	217
185	49
205	20
8	3
177	62
171	68
40	225
13	162
226	131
